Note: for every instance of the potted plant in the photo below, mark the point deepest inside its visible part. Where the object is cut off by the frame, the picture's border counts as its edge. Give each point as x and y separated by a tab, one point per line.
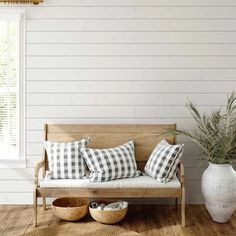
216	135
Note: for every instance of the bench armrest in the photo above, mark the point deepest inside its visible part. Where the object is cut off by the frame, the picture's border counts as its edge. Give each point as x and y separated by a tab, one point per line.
38	166
181	172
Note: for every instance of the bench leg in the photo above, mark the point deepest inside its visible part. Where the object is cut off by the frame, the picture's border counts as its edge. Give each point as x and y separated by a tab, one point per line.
44	203
183	207
176	203
35	203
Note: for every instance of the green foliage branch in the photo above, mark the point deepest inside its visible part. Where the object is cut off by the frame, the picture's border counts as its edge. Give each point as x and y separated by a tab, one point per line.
214	133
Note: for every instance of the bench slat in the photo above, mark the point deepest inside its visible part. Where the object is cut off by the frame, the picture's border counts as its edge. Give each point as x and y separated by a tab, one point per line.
109	192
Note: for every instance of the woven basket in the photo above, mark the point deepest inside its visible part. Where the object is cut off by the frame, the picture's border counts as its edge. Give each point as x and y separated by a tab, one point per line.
70	209
108	217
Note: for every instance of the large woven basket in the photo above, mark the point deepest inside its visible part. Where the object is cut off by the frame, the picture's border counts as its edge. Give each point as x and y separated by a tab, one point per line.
70	209
108	217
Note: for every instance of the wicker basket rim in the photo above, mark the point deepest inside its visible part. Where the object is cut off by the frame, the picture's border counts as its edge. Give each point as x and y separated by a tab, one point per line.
84	201
94	209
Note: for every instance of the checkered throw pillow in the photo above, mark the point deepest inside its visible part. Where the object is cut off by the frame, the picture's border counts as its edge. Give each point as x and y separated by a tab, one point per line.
65	160
162	164
112	163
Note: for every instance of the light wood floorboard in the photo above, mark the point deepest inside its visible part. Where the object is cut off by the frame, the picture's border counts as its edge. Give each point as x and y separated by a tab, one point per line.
146	220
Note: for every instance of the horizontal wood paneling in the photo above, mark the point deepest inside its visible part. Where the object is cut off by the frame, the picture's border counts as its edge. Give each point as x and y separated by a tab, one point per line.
110	111
37	123
186	12
90	62
82	12
132	62
81	50
131	74
168	99
13	186
17	174
114	87
108	12
131	37
16	198
130	25
69	111
126	62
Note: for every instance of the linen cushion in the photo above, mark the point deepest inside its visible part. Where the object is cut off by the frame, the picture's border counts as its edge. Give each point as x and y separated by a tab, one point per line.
144	181
112	163
65	160
162	163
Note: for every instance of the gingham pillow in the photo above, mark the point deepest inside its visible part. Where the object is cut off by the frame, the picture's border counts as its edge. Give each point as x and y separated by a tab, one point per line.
112	163
162	163
65	160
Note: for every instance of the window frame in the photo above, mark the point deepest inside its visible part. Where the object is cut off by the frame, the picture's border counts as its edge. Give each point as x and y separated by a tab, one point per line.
20	162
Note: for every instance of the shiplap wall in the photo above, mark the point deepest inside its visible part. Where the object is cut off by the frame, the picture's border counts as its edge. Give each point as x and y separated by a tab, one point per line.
123	61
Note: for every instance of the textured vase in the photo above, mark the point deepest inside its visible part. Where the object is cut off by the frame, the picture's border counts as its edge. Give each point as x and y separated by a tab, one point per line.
219	191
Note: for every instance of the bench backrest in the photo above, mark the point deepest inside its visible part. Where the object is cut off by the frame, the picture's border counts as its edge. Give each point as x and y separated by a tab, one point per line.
146	137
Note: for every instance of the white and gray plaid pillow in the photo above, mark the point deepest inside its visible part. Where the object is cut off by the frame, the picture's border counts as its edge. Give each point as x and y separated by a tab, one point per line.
162	164
112	163
65	160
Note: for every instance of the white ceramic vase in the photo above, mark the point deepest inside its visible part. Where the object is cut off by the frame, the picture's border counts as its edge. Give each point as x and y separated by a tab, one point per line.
219	191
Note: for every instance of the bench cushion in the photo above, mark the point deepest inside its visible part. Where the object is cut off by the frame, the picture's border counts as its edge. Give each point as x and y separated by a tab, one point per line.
137	182
112	163
65	159
162	164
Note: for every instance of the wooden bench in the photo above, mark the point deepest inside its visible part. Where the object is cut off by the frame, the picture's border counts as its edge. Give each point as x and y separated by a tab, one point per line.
146	137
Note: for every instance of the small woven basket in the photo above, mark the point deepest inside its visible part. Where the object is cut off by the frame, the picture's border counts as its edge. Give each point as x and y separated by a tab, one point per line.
70	209
108	217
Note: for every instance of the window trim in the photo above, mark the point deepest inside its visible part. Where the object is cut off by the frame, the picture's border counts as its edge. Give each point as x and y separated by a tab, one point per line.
20	162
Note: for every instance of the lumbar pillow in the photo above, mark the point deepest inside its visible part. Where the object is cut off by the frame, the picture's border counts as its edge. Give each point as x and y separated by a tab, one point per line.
65	160
112	163
162	163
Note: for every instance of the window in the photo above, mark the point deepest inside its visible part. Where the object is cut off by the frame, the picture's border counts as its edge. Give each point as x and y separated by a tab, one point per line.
11	85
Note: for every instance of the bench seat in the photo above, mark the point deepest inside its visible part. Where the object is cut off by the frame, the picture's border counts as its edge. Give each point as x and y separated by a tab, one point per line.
137	182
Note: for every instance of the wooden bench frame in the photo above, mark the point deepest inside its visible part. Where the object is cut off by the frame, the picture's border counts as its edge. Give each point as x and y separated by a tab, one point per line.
142	132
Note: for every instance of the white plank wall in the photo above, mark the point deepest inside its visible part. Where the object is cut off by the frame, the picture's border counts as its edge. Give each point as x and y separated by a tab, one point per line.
123	61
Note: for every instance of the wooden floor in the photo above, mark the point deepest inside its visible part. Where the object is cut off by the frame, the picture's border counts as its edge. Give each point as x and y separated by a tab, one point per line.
147	220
